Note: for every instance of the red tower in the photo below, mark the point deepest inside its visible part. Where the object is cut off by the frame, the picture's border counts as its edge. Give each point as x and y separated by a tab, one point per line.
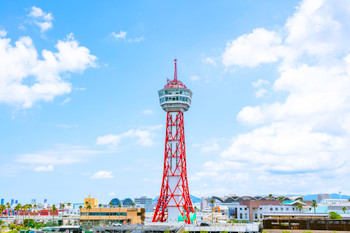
174	199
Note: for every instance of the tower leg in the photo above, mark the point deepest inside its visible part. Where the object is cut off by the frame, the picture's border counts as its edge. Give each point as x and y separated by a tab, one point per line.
174	199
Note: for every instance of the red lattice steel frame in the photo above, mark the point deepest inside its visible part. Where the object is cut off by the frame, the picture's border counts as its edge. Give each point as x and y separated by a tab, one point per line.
184	203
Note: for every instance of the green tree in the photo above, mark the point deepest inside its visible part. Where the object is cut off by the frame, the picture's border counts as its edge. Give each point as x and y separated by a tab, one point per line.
343	209
299	207
53	209
110	210
334	215
12	226
281	199
18	209
89	209
119	206
270	195
314	205
68	205
99	216
212	209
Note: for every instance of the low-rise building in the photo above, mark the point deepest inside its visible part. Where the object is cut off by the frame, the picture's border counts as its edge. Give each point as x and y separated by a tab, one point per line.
107	216
145	203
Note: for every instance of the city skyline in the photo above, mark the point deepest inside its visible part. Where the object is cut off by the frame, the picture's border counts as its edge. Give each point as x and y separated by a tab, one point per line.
80	114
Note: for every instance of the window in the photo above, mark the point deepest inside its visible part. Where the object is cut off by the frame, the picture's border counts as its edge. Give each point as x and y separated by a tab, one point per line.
245	215
181	92
281	209
240	216
256	216
245	208
177	98
287	209
276	208
166	98
293	208
240	208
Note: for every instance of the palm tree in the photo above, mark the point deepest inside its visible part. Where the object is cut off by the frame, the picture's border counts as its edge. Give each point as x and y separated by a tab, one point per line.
270	195
18	208
63	205
301	199
110	210
299	207
2	209
99	216
281	199
343	209
8	210
80	209
119	212
212	209
68	205
53	209
88	208
314	204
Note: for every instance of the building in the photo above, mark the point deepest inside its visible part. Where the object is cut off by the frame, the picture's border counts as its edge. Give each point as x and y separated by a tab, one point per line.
92	201
204	203
304	221
337	205
144	202
252	208
322	196
106	216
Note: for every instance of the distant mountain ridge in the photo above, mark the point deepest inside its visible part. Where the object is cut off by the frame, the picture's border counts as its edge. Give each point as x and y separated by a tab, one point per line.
310	197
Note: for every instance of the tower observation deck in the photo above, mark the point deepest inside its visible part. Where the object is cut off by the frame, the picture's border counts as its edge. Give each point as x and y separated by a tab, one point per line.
174	200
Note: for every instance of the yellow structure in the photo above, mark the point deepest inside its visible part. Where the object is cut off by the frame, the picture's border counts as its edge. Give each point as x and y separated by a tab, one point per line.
106	216
92	201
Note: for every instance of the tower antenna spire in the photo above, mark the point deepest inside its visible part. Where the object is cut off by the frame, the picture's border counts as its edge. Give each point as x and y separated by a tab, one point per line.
175	73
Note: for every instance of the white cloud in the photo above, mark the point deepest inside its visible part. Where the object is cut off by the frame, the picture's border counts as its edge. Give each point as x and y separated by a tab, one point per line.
147	112
144	137
21	63
260	46
120	35
195	78
41	18
111	194
3	33
260	93
48	168
298	143
102	175
110	139
80	89
67	100
138	39
209	60
61	154
260	82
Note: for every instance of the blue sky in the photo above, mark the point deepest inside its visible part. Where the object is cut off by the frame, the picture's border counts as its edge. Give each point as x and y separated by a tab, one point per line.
79	111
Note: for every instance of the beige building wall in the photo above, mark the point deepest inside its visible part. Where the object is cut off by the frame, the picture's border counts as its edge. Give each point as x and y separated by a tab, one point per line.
106	216
92	201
